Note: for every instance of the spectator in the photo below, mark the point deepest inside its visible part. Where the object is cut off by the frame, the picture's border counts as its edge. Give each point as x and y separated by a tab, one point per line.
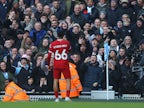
91	11
102	16
3	36
37	72
28	11
54	28
28	22
74	36
15	57
29	87
7	47
113	13
100	57
99	38
138	31
26	41
19	35
47	10
102	5
107	33
16	7
83	51
96	25
137	6
30	52
53	18
58	11
77	16
114	75
23	71
43	86
94	42
5	74
4	8
43	48
76	59
114	45
103	23
39	10
128	79
87	28
128	45
118	30
64	27
44	2
113	55
121	55
69	21
126	28
12	30
37	33
93	74
45	21
126	9
48	73
21	51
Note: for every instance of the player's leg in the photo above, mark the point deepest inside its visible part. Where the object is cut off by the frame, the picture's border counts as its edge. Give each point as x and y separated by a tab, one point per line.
66	73
68	86
55	88
55	84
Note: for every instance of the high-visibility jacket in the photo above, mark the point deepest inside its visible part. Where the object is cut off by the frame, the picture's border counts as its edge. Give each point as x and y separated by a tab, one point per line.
76	86
14	93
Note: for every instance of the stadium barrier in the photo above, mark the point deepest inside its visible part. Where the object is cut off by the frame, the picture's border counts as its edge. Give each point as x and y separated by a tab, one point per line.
93	95
102	94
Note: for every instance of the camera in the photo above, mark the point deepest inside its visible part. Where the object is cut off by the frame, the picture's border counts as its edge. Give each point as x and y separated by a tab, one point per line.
137	56
138	69
142	14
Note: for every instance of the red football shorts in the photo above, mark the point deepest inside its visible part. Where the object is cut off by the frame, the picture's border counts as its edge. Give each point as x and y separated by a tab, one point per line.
65	71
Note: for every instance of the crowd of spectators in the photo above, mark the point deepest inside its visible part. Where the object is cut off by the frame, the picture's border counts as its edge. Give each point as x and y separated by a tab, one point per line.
27	27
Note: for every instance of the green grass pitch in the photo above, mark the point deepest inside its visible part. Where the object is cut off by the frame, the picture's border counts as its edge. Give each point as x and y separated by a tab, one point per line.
73	104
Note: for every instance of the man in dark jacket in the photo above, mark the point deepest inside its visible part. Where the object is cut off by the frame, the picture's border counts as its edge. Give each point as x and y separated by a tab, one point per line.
93	74
113	13
4	6
77	16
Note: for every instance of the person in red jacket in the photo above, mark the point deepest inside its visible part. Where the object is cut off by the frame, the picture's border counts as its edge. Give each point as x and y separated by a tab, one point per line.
58	51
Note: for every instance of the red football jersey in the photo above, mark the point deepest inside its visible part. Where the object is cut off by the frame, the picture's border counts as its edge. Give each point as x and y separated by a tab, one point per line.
59	50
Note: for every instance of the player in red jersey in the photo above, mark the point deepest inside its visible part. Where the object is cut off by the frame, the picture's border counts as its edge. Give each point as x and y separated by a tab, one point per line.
59	50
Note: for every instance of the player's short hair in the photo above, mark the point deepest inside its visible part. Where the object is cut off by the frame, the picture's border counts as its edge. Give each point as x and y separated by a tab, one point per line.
60	33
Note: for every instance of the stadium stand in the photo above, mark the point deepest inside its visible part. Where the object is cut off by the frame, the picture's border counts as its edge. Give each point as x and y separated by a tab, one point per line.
27	27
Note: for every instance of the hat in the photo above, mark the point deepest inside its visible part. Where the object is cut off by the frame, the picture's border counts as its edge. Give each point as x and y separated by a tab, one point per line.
76	25
114	0
124	1
29	77
15	1
19	31
141	42
24	56
127	58
97	32
113	51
